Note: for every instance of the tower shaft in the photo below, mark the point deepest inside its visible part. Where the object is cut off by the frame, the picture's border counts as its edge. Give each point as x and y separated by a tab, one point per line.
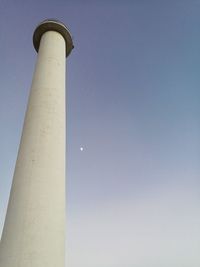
34	229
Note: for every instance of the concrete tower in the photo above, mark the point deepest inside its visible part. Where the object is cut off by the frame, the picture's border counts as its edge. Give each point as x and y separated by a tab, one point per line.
34	229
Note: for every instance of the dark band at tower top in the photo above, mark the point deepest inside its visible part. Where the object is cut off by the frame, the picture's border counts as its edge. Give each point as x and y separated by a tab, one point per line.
53	25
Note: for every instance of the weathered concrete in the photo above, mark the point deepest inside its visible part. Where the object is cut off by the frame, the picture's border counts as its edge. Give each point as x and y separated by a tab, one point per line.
34	230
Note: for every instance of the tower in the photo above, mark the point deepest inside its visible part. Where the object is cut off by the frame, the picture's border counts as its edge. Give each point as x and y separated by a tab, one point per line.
34	229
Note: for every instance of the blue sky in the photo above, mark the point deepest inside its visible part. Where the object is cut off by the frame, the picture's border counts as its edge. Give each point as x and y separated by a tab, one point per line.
133	104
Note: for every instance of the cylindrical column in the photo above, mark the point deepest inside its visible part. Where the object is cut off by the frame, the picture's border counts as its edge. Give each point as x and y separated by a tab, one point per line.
34	229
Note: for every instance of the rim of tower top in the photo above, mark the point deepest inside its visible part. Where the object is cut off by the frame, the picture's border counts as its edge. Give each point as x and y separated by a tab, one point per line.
53	25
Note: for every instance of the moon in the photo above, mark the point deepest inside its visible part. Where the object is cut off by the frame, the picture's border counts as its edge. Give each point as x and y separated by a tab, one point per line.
81	148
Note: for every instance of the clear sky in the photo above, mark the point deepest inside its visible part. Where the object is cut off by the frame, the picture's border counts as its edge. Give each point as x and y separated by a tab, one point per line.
133	104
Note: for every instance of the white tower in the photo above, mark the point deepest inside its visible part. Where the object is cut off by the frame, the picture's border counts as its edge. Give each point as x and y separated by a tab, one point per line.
34	229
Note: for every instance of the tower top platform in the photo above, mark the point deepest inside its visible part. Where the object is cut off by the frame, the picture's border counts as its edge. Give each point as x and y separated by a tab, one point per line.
53	25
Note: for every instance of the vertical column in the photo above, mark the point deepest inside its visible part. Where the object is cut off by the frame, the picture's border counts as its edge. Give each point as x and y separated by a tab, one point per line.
34	230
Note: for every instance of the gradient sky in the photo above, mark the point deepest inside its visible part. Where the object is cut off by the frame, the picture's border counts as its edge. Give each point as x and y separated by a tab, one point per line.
133	104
